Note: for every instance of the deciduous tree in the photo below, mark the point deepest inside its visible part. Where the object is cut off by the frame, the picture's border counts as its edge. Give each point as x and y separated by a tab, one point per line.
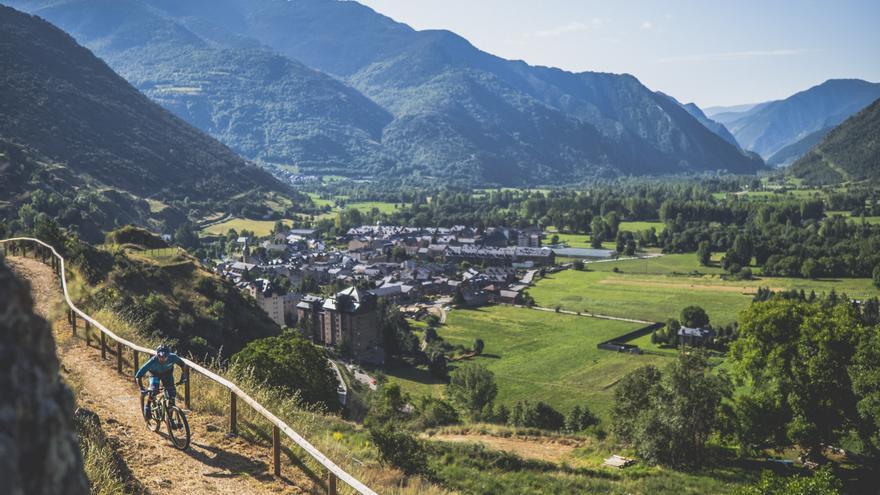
472	387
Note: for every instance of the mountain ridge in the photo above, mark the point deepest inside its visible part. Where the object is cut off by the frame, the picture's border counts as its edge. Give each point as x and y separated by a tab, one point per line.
459	112
849	152
769	127
66	114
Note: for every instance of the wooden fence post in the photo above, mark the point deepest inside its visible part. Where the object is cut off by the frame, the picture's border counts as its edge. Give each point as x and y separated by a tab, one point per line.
103	346
233	414
276	450
186	388
88	334
71	317
119	357
136	359
331	483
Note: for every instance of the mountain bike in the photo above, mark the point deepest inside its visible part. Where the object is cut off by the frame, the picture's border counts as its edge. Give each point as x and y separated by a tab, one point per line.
161	411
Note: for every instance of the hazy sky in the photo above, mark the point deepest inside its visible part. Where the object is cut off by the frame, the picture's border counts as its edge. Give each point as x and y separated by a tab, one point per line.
709	52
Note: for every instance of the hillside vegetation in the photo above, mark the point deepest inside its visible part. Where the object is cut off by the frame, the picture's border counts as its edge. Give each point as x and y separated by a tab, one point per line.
769	127
417	101
170	299
72	128
851	152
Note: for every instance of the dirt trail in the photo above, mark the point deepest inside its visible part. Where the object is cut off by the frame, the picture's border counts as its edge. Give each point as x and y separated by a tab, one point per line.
212	464
542	450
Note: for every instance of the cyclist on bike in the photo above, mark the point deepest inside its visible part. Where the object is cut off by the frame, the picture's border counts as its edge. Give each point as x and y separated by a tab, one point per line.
161	369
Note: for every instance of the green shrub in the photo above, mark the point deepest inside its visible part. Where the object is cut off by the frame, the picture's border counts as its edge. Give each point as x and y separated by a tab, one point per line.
135	235
536	415
822	482
579	419
472	388
292	363
400	449
434	412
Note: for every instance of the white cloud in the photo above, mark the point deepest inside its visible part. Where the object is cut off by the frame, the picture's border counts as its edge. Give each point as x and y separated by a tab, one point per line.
571	27
647	25
724	56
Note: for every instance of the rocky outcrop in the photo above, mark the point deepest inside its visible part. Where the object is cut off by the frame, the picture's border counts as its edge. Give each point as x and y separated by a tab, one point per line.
38	447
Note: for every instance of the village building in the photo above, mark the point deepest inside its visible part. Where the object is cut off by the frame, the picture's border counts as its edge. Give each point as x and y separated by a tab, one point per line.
696	337
348	321
268	299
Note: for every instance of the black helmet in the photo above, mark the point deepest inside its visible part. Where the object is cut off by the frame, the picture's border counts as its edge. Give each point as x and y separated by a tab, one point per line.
162	351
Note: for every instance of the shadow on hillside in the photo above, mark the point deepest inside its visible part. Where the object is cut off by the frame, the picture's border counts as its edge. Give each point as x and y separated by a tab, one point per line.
415	374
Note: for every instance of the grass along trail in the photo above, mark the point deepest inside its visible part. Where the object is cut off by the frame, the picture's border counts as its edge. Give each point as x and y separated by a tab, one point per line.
214	463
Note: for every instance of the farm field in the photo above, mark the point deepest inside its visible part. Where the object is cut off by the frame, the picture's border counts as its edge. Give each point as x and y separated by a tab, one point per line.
320	201
640	226
583	240
366	206
668	264
578	241
539	355
156	206
258	227
871	220
771	195
658	294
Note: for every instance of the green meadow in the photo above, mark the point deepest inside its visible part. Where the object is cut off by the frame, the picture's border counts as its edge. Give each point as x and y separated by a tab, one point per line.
258	227
583	240
656	289
366	206
537	355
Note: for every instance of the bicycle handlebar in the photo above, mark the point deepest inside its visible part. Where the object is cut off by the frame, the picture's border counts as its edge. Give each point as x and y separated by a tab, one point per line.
145	391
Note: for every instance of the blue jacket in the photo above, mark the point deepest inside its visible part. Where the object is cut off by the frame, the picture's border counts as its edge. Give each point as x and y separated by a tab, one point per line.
157	369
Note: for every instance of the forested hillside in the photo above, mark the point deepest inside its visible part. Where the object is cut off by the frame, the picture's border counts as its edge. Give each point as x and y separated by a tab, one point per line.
851	152
262	105
71	127
447	109
769	127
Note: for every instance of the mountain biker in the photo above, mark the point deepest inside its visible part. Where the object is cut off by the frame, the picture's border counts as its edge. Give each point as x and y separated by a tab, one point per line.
161	369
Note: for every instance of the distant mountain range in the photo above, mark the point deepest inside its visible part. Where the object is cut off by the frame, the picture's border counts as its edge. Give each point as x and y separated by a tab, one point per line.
789	154
390	100
711	112
850	152
716	127
774	129
69	125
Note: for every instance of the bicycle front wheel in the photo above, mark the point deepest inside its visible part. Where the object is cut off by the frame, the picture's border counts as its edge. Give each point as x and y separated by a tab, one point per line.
178	428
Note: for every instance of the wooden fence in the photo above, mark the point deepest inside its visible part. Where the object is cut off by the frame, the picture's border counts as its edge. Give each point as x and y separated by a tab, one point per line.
48	255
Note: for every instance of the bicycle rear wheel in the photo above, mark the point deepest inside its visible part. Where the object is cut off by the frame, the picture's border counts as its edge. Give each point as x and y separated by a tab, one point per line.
178	428
153	421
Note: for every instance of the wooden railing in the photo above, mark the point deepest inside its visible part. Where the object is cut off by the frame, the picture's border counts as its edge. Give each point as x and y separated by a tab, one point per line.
47	254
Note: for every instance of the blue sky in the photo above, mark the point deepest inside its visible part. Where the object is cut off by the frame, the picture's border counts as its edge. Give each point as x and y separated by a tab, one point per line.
709	52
